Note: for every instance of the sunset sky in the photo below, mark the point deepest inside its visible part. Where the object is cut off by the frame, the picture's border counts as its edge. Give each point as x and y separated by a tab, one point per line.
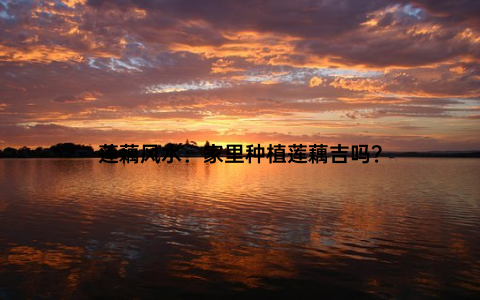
401	74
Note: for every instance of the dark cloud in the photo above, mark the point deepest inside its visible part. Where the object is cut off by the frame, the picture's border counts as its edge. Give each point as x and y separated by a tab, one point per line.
458	12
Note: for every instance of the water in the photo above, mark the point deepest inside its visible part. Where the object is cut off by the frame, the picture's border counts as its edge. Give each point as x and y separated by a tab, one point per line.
401	228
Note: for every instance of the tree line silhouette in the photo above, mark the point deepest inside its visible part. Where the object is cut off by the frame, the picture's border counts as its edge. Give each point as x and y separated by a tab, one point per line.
72	150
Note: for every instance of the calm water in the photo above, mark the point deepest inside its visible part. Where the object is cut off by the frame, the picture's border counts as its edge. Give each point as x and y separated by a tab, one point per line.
400	228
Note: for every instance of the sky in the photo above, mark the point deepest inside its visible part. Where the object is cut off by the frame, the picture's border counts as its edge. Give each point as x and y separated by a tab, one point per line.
401	74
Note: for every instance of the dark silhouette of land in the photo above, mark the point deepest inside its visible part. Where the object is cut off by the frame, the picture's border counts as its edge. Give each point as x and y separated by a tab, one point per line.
71	150
459	154
58	150
189	149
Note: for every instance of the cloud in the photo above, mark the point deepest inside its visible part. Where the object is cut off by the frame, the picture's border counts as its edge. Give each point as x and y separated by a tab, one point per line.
208	67
315	81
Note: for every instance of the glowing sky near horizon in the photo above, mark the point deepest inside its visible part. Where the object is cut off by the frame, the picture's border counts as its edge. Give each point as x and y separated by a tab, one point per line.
401	74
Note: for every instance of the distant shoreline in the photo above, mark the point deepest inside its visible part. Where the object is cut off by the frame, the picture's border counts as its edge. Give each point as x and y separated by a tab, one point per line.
392	156
434	154
71	150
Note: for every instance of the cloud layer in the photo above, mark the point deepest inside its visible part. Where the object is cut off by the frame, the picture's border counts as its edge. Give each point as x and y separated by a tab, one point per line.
402	74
